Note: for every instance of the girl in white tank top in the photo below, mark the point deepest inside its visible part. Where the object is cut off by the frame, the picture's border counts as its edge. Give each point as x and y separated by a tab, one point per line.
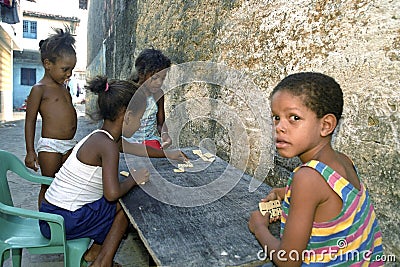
86	189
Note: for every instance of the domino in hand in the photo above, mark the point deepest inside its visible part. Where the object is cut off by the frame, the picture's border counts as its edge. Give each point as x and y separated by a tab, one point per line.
273	207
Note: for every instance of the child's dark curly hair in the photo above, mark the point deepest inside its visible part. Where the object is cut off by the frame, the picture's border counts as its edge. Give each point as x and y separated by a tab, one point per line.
320	93
151	61
58	44
115	95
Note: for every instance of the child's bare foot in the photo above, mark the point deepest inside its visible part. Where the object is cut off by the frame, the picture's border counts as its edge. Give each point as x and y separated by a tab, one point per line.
92	253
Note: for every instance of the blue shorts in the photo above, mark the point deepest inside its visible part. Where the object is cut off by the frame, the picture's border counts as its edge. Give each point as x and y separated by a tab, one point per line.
92	220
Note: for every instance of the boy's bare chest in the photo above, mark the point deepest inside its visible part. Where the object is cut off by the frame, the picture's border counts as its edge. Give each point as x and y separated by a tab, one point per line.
57	97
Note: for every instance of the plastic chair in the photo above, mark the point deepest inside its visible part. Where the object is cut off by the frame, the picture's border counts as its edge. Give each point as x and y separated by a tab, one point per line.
19	228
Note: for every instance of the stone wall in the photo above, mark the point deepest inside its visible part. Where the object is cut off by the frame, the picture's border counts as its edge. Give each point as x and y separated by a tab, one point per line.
356	42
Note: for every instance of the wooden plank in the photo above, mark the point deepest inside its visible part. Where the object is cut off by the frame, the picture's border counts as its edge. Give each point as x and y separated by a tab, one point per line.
213	233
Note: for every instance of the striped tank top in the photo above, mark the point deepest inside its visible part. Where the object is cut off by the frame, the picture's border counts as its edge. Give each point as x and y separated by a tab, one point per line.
353	238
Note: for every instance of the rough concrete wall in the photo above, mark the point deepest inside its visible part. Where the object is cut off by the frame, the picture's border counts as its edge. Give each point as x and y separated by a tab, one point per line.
111	42
356	42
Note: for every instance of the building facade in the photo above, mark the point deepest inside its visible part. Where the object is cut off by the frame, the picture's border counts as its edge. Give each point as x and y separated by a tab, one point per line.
8	43
20	64
39	19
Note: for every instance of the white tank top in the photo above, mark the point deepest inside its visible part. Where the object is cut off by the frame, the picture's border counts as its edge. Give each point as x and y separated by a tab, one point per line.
76	183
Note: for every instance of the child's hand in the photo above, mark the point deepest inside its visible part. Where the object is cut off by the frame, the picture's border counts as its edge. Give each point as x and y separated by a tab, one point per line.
141	176
176	155
166	140
31	161
275	194
257	221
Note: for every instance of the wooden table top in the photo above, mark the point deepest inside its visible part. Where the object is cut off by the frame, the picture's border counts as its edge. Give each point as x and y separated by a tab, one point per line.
197	217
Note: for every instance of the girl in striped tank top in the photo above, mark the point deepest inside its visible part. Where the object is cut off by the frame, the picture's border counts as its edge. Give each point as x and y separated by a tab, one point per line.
327	215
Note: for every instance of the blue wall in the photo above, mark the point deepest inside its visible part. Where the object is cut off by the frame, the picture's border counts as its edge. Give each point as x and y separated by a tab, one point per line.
21	92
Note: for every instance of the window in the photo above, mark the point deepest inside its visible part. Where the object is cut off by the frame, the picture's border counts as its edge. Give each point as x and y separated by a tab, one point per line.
28	76
83	4
29	29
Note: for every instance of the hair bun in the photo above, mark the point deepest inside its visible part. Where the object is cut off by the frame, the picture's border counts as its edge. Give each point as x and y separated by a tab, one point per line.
41	43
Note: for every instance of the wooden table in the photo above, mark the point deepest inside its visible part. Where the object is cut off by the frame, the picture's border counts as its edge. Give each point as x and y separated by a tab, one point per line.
185	220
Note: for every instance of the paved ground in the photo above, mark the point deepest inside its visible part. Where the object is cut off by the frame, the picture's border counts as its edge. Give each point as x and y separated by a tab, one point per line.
131	253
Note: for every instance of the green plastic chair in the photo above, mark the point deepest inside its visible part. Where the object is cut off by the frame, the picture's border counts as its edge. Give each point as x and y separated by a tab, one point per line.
19	228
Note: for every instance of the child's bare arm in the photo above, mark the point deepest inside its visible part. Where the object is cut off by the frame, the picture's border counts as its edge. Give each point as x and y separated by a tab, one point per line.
162	128
140	177
147	151
32	109
258	225
306	196
160	113
112	187
140	150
